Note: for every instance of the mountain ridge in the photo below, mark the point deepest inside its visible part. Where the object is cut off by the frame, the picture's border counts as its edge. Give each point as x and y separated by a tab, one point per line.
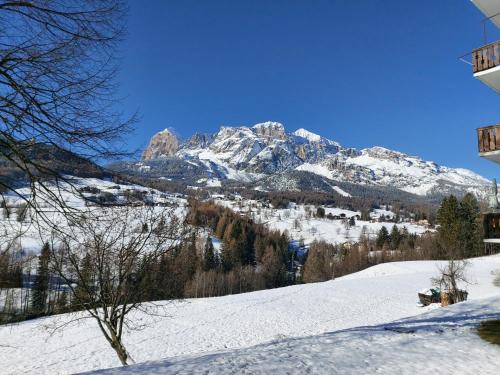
252	153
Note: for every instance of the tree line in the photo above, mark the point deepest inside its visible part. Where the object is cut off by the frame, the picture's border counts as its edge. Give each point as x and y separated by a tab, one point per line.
249	257
459	235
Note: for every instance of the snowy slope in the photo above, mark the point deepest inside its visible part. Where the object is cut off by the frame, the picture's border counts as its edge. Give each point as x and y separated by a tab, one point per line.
296	221
370	299
442	341
266	149
30	238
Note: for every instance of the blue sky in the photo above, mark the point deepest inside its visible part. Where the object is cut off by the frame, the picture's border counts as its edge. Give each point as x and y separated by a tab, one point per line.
363	73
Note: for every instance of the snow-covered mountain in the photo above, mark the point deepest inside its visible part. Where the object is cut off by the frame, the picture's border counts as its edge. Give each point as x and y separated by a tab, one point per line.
254	153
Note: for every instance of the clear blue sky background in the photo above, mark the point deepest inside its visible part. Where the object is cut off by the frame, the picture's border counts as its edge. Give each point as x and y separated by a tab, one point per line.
364	72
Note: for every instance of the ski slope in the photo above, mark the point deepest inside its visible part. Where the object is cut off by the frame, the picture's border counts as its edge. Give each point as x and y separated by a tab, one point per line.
291	327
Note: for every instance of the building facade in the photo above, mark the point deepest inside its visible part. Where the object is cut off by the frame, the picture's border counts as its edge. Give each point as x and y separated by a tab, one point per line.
486	68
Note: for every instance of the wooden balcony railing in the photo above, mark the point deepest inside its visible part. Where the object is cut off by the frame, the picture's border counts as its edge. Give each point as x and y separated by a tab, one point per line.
486	57
489	138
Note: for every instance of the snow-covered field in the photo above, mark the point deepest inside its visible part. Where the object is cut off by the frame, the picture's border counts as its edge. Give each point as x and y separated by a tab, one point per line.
301	224
342	326
298	220
30	238
439	342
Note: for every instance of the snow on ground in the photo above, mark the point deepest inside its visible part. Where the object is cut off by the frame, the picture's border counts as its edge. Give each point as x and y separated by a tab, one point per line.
439	342
352	316
341	192
212	160
213	182
300	223
310	136
376	213
30	238
318	169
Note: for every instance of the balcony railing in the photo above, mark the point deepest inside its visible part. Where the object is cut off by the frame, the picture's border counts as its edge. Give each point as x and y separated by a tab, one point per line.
489	138
486	57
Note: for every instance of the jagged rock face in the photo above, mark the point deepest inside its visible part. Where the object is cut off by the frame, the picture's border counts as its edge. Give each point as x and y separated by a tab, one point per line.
251	153
162	144
199	141
270	129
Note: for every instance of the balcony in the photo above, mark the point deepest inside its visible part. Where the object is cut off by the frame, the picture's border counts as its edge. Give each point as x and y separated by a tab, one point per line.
491	222
489	142
486	65
490	9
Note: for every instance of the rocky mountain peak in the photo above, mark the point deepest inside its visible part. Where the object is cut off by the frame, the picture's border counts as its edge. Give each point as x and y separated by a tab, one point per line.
199	140
164	143
306	134
270	129
384	153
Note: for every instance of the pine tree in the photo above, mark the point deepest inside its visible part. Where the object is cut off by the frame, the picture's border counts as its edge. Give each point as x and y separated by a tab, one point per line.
209	257
395	238
189	257
226	255
259	247
320	212
448	217
249	241
352	221
382	238
41	284
470	229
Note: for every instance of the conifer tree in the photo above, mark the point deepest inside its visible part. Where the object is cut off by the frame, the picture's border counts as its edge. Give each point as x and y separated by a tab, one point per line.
220	230
209	257
395	238
320	212
382	238
259	247
448	217
41	284
470	229
273	268
320	262
352	221
313	268
226	254
186	262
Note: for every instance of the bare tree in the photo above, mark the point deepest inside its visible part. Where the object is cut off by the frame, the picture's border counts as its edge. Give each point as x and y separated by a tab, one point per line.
107	262
451	275
57	85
